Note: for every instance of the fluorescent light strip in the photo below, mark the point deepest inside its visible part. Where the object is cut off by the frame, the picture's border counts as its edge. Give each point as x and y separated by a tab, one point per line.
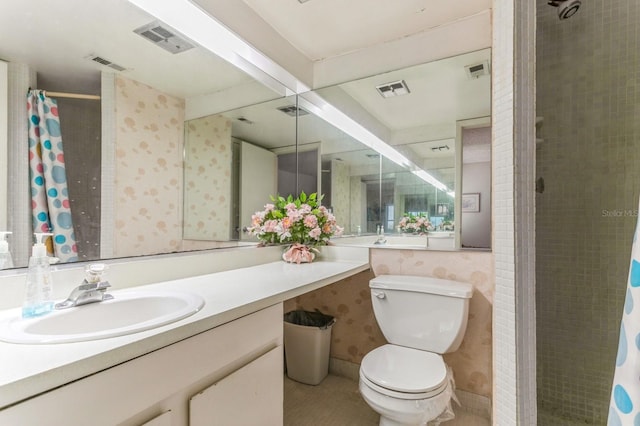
430	179
313	102
206	31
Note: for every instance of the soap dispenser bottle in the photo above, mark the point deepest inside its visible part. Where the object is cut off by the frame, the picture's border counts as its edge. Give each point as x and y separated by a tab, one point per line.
38	299
5	255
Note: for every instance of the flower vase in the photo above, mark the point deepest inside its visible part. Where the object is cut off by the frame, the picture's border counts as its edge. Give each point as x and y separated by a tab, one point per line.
298	253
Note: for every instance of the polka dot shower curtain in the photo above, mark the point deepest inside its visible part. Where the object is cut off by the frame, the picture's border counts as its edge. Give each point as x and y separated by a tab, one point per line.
625	395
48	179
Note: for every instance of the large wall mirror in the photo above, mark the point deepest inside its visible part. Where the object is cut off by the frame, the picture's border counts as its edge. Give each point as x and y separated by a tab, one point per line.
131	191
436	117
422	150
124	135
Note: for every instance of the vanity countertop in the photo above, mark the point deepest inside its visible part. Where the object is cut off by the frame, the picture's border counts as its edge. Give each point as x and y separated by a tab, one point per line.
28	370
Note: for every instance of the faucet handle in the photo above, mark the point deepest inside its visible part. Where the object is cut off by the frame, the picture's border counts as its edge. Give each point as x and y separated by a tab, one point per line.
88	286
103	285
94	272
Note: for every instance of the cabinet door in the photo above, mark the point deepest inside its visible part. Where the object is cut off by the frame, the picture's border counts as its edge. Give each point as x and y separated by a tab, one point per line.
140	389
252	395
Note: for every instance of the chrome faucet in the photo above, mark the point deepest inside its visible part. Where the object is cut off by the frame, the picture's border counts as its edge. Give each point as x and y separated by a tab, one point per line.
86	293
93	289
381	239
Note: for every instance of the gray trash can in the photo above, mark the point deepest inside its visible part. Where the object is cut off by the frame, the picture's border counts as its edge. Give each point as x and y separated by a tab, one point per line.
307	341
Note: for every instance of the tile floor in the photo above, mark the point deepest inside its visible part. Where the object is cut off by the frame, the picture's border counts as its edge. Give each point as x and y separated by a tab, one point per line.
337	402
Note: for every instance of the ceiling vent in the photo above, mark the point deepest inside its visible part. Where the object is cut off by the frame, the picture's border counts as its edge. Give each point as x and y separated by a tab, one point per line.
106	63
292	110
396	88
162	36
477	70
244	120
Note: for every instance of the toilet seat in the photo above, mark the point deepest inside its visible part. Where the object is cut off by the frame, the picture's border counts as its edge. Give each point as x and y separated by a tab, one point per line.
403	372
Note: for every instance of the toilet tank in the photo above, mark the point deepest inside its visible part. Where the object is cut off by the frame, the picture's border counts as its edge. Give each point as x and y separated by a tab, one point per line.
421	312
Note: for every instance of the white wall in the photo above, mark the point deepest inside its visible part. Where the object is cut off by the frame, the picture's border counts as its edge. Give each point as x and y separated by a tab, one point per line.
476	227
4	103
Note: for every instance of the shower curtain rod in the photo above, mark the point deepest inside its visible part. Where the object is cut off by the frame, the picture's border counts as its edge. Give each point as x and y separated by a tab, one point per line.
72	95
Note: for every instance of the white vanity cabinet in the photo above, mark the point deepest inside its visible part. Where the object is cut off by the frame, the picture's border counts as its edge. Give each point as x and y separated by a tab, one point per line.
229	375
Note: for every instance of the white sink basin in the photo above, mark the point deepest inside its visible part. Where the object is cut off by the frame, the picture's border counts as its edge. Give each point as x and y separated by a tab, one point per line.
128	312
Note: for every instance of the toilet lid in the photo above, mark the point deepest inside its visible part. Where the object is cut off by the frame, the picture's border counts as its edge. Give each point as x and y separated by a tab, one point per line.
404	369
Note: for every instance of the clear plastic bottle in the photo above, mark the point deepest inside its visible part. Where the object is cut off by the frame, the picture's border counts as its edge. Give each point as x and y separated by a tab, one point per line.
6	261
38	298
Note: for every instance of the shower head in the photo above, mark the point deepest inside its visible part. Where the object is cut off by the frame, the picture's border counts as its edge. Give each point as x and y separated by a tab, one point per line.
566	8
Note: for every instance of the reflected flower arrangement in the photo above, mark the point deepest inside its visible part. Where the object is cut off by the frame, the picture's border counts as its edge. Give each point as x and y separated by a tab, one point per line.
415	224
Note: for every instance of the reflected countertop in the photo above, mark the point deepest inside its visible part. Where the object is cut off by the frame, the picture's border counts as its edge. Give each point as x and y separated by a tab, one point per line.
433	240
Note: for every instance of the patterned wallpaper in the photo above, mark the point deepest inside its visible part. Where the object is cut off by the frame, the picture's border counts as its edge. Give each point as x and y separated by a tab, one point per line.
356	332
149	144
340	186
357	208
207	191
148	189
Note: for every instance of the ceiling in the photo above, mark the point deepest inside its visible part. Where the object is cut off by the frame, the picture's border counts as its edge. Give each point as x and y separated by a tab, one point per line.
56	37
357	24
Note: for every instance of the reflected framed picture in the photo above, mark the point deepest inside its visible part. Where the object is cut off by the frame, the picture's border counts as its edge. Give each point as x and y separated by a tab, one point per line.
471	202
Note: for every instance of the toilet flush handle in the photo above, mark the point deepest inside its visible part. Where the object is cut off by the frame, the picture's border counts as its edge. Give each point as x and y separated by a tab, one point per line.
379	294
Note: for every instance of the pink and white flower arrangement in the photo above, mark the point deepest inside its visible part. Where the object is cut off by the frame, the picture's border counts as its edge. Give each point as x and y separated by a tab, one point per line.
295	221
415	224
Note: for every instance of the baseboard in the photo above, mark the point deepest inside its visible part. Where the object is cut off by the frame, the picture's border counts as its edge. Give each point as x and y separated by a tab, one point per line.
342	368
474	404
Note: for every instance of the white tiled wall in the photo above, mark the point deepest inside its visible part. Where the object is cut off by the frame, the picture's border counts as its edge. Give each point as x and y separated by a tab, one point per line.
513	141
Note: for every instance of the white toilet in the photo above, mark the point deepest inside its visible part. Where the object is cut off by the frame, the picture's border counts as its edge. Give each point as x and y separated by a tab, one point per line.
407	381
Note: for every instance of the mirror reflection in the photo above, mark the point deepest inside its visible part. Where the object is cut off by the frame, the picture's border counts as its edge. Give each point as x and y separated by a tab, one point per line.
437	123
233	162
124	89
475	203
433	115
129	190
